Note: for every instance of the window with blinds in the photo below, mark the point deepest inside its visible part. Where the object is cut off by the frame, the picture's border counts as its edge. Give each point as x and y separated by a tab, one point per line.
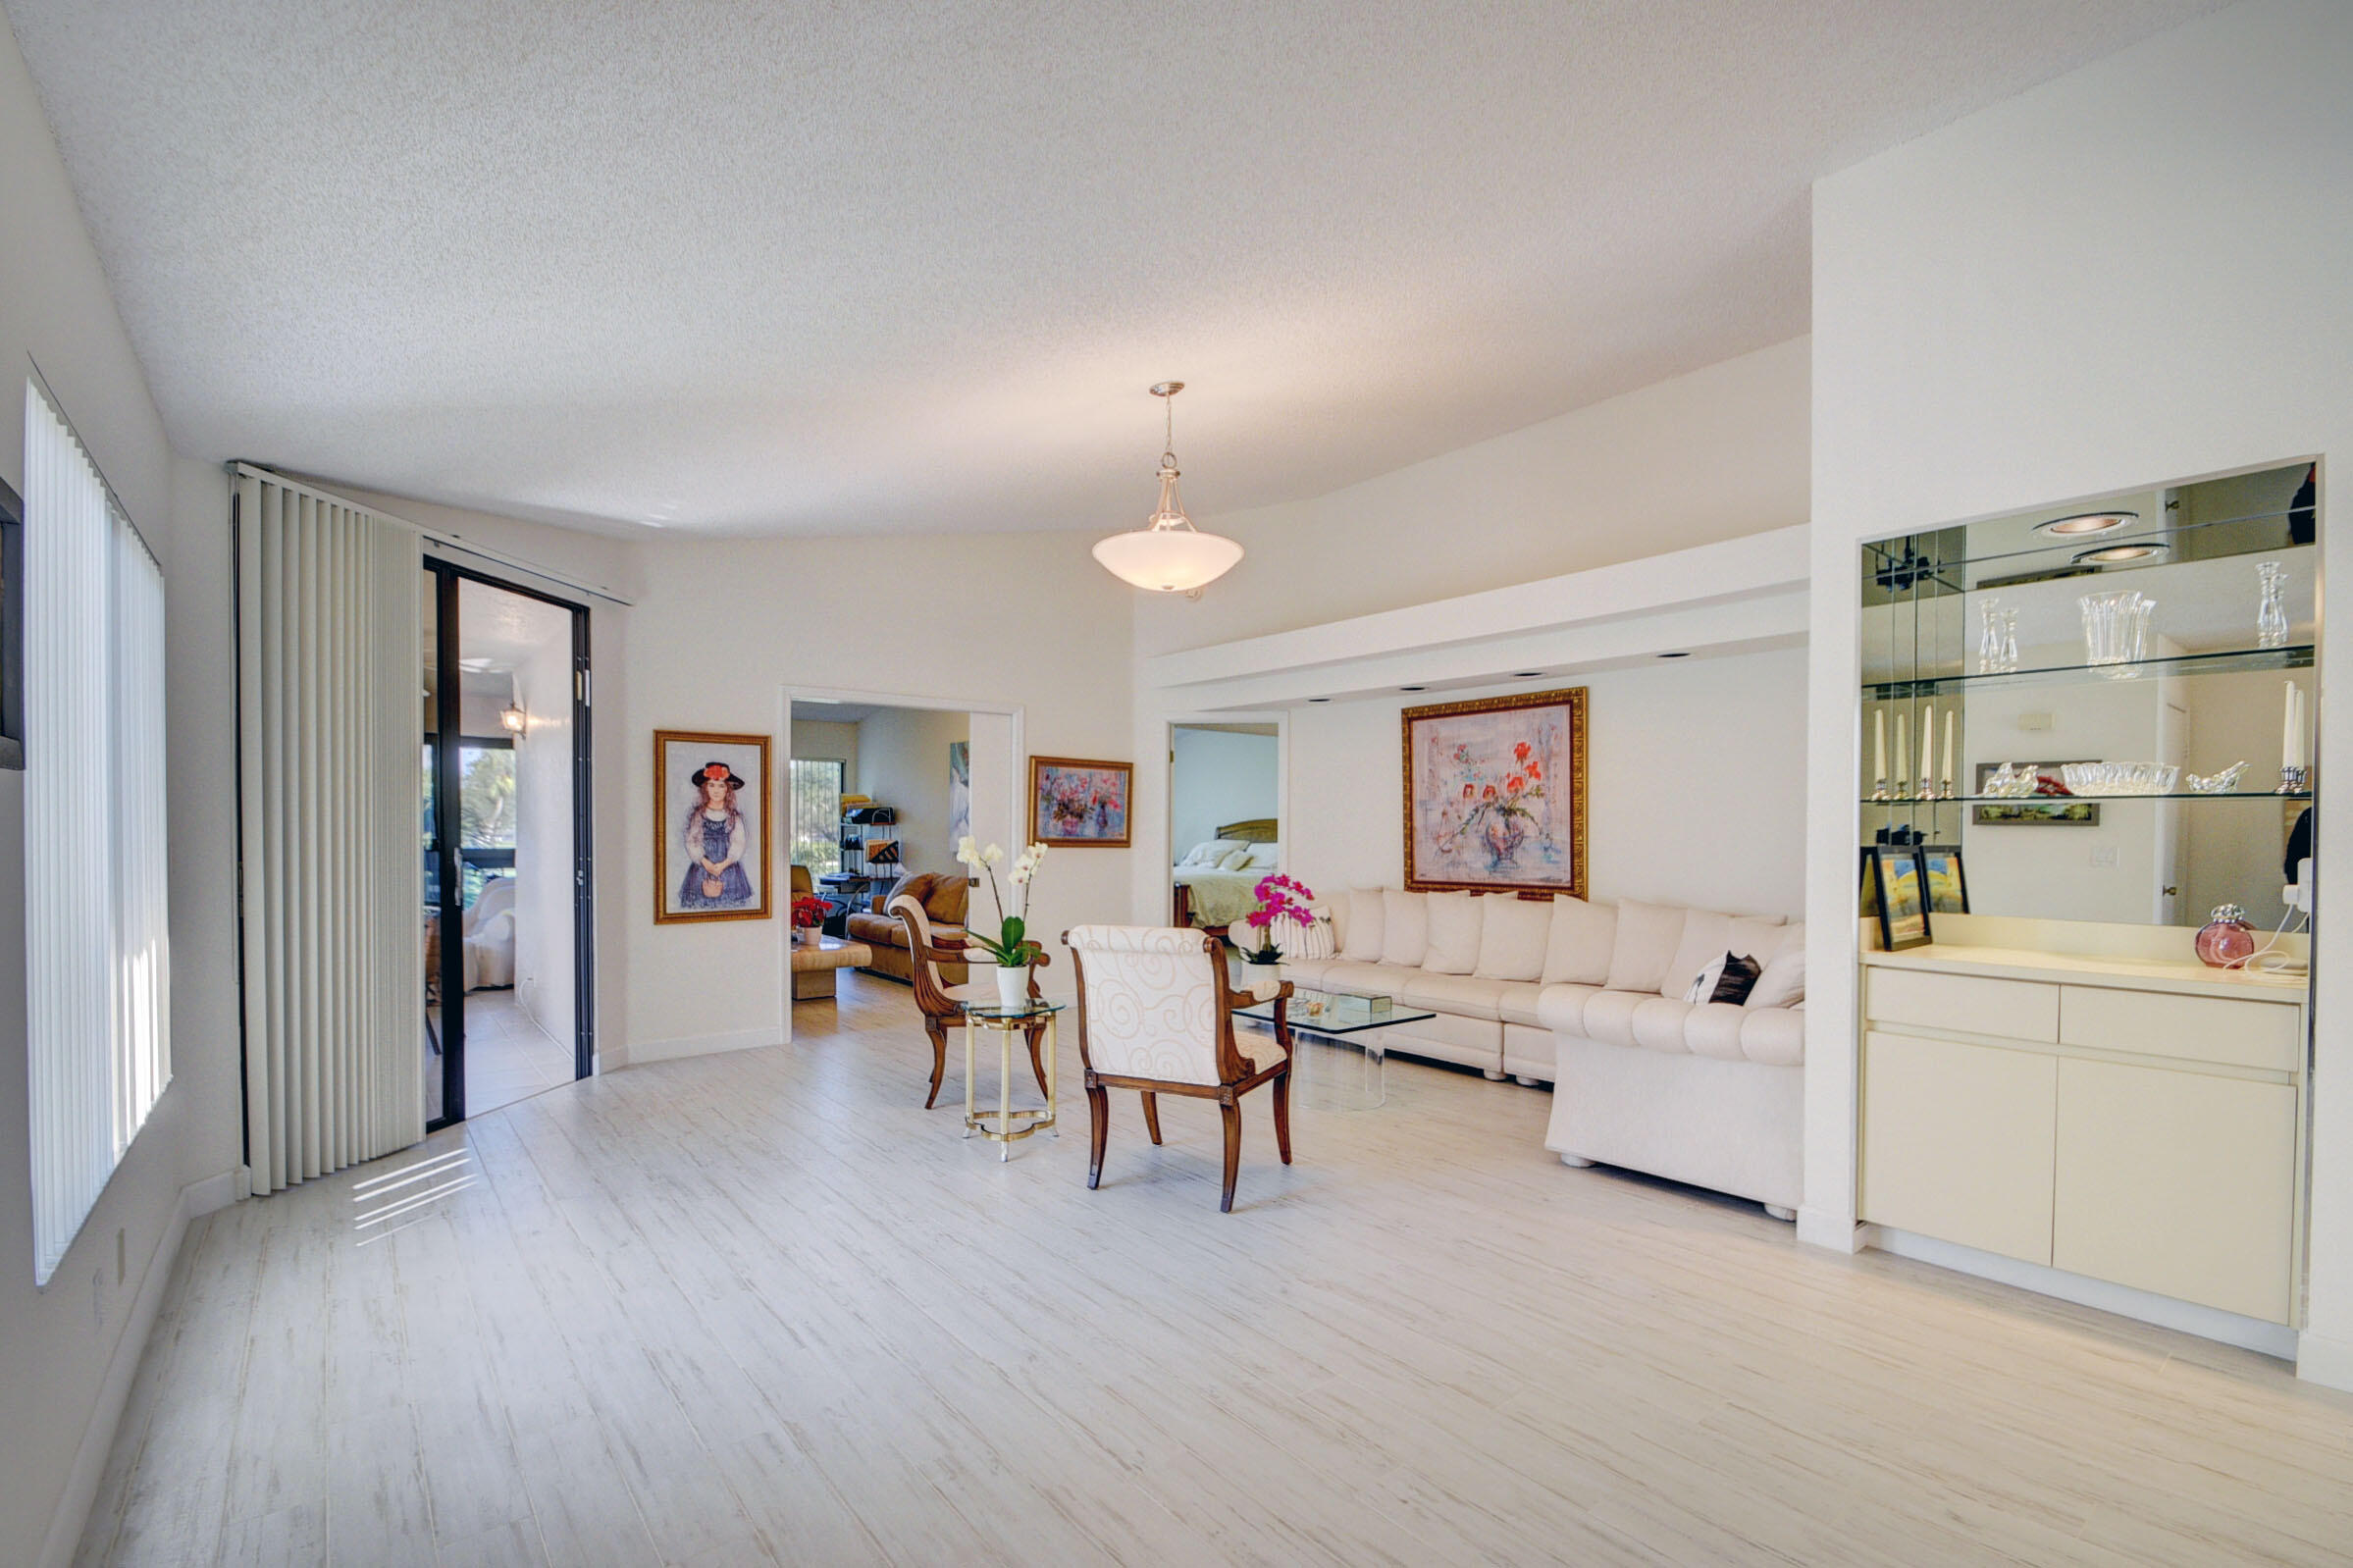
97	953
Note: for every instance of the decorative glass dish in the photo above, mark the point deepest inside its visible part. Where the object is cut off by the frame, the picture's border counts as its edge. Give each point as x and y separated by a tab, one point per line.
2118	779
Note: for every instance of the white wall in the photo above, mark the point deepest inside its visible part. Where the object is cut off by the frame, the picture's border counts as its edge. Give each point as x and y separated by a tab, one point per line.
1219	776
903	762
67	1353
545	912
2132	275
1695	786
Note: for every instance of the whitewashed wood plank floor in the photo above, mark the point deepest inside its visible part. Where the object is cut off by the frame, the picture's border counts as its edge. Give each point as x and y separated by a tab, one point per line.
765	1308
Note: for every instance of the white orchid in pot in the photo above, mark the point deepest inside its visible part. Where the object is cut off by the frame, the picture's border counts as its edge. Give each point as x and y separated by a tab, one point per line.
1011	949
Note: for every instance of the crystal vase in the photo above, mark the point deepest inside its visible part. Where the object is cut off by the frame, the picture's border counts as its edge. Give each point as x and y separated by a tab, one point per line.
2270	613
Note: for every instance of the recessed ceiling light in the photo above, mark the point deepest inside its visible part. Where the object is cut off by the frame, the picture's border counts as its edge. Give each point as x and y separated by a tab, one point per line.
2112	554
2087	523
1678	653
1526	674
1413	688
1319	699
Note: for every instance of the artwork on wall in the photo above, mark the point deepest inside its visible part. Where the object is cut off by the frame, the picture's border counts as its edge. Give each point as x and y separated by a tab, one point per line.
2049	806
710	826
1494	793
1899	890
12	628
1077	804
1946	883
960	793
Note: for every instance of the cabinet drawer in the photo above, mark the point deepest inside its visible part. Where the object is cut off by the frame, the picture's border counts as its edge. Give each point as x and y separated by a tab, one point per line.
2018	1009
2194	1029
1956	1142
2177	1182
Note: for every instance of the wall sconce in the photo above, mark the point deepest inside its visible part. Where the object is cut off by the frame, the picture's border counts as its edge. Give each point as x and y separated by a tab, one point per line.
513	719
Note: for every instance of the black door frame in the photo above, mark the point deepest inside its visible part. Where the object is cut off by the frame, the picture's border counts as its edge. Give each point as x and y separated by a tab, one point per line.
447	694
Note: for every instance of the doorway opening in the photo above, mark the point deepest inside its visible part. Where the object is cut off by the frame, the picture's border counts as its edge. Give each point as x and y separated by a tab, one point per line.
509	998
1225	817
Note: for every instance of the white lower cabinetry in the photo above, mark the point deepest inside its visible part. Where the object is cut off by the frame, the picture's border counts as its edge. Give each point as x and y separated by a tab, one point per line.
2137	1127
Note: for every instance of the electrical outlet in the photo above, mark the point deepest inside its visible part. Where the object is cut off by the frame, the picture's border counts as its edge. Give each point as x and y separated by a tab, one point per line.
2103	857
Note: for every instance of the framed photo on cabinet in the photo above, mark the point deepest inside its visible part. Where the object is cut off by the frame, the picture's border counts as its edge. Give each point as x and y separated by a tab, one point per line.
710	826
1946	883
1900	890
1494	793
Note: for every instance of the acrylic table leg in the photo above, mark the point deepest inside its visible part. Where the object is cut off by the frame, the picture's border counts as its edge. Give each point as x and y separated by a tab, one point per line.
1053	1079
967	1074
1005	1094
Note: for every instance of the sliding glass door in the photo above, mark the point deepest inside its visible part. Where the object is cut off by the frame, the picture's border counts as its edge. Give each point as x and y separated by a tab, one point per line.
509	954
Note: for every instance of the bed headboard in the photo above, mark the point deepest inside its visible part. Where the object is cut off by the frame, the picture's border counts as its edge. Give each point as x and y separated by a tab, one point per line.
1257	830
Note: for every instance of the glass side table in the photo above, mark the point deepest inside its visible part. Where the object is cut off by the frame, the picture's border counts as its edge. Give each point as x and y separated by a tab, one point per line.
1011	1124
1339	1058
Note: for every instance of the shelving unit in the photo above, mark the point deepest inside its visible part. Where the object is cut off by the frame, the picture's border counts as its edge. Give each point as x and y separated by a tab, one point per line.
2230	662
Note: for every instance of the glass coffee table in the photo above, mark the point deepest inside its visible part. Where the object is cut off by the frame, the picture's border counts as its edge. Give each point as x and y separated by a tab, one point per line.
1339	1058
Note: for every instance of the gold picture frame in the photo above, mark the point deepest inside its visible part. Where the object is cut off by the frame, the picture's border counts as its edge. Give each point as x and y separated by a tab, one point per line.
1494	793
1106	791
682	760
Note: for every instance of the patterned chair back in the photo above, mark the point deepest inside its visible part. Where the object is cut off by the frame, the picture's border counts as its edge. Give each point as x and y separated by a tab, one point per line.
1150	1001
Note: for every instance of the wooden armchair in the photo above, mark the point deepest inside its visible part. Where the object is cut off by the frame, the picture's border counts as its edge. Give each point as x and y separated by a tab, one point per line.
941	1000
1156	1015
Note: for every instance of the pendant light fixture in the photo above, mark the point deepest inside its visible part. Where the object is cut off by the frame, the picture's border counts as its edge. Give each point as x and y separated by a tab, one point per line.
1168	554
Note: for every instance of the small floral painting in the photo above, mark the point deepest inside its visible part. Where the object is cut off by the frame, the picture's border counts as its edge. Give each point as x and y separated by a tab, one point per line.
1079	804
1494	793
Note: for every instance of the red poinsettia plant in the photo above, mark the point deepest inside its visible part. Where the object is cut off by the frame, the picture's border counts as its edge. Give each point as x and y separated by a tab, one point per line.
810	911
1281	900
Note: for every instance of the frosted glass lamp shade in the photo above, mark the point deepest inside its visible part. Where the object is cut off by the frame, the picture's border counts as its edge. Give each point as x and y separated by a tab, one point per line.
1167	560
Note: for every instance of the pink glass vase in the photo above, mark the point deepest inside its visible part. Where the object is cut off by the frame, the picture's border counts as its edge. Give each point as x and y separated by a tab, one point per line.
2226	941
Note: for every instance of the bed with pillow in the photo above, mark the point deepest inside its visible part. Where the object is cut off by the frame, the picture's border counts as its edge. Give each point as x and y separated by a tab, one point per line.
1216	879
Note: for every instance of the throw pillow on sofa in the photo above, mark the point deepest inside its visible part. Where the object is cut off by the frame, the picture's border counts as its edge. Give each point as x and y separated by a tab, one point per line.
1783	983
1728	979
1454	923
1577	947
1314	940
1512	935
1709	936
1647	935
1404	927
1366	907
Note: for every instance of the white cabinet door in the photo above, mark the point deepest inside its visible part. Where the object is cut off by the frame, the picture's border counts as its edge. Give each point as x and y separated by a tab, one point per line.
2177	1182
1956	1142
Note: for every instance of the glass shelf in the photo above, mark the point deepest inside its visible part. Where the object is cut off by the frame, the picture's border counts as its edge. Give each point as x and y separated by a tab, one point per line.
2082	799
1898	555
2227	663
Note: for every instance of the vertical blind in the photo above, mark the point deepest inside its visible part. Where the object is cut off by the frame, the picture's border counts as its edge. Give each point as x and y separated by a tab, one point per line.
330	724
97	954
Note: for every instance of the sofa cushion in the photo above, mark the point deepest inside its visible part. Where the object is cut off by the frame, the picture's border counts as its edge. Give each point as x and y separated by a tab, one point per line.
1404	927
1659	1023
1512	937
1713	1029
1311	973
1561	1008
1707	938
1455	919
1372	979
1773	1035
946	899
1578	948
875	930
1463	995
1360	933
1517	1003
1783	983
1643	949
1608	1016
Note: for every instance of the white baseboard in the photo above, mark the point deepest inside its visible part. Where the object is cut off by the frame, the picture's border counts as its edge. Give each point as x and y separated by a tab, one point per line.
1821	1227
72	1514
2186	1316
642	1052
2327	1362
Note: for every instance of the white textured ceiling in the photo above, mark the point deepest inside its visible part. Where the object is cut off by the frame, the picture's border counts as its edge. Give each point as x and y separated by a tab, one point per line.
828	267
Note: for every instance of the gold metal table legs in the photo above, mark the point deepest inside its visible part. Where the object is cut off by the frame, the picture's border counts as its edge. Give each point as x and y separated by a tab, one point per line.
1009	1124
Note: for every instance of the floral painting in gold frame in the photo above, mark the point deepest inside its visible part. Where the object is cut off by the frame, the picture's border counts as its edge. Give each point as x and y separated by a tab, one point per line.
1494	793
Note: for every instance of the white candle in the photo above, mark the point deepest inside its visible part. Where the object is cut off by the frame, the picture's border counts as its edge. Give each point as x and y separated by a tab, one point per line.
2288	724
1903	743
1879	747
1947	751
2297	750
1928	746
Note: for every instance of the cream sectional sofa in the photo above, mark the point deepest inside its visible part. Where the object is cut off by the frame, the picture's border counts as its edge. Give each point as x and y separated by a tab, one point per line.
1590	997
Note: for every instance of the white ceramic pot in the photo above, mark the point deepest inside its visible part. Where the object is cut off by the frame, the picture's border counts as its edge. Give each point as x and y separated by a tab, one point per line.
1257	975
1012	987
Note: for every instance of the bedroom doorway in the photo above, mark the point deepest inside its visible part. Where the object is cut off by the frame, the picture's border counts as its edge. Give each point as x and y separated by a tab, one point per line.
1225	817
505	806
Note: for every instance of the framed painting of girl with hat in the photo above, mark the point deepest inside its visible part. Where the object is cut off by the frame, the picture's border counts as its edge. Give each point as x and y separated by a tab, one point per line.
710	826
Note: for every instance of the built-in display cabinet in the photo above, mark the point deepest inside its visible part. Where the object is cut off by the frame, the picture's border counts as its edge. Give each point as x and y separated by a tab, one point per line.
2086	730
